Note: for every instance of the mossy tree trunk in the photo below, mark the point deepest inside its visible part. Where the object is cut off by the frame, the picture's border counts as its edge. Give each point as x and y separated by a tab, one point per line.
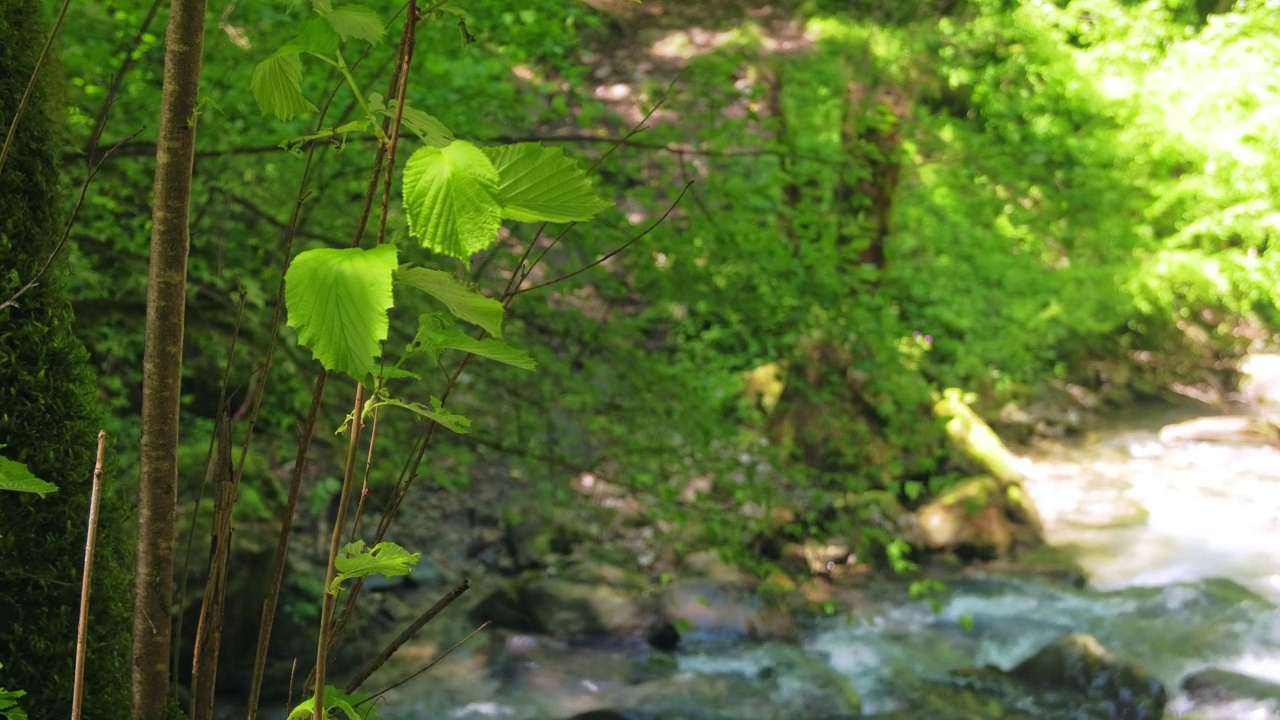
48	420
162	361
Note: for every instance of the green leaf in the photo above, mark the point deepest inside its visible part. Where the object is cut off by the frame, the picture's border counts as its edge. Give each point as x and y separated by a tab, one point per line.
317	38
448	198
338	699
277	87
430	130
463	301
337	300
356	21
322	6
433	339
540	184
16	477
385	558
451	421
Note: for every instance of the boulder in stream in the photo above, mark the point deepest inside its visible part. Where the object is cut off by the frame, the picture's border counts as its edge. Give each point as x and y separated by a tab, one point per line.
567	609
1214	686
1079	663
708	609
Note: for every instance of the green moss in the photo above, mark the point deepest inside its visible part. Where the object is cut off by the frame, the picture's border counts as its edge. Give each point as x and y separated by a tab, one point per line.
49	421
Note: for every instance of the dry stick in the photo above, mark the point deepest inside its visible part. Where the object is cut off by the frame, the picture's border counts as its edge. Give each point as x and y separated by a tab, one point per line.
434	661
211	466
86	581
204	666
335	541
66	228
407	634
31	85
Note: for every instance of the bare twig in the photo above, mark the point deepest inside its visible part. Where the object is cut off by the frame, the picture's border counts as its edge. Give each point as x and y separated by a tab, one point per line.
86	581
204	667
619	249
212	466
126	62
405	635
335	541
435	661
66	229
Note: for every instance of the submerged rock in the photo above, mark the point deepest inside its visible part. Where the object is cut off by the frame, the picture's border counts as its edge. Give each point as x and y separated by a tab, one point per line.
1079	663
1074	678
711	610
1213	685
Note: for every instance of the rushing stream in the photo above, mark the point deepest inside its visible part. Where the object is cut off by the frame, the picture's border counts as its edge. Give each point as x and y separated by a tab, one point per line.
1181	542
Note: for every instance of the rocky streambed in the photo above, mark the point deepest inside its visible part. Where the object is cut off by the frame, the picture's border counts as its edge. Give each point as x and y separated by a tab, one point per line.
1180	538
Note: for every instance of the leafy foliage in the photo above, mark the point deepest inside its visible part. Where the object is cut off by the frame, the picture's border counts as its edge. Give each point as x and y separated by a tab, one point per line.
338	302
15	477
385	558
449	199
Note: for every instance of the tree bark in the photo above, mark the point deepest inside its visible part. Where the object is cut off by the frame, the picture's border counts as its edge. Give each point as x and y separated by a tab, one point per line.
162	361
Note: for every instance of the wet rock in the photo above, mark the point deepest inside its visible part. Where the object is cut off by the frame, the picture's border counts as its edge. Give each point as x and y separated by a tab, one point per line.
705	608
566	609
1213	685
1079	663
970	517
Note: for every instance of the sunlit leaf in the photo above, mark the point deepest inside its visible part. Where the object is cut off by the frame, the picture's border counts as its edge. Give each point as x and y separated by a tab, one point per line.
277	87
429	129
385	558
317	37
356	21
448	198
432	339
337	300
16	477
540	184
463	301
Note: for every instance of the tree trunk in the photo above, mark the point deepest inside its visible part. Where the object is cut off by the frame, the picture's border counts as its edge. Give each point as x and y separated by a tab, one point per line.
162	361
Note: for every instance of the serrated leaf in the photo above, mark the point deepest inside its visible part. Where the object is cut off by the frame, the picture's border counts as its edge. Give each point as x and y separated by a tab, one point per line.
432	339
356	21
462	301
429	129
451	421
322	6
277	87
337	300
318	37
538	184
385	558
338	699
17	477
449	199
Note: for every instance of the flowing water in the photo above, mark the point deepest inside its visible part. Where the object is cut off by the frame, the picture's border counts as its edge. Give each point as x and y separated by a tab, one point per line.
1181	543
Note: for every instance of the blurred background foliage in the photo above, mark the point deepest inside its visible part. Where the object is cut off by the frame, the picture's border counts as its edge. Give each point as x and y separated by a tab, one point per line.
1068	199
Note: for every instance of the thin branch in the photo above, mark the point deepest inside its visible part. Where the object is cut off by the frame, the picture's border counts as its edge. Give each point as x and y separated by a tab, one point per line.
31	85
126	63
211	466
407	634
435	661
86	581
66	231
624	246
335	541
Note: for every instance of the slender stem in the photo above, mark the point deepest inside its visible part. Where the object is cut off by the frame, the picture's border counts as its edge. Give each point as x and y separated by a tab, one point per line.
434	661
86	581
335	542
